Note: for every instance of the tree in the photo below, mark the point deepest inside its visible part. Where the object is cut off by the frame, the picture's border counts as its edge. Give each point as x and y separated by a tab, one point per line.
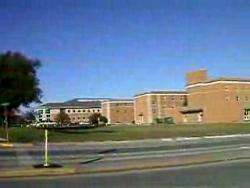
62	118
19	84
29	116
94	118
97	118
103	119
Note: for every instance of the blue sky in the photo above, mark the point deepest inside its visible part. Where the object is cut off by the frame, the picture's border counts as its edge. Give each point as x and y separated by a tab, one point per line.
117	48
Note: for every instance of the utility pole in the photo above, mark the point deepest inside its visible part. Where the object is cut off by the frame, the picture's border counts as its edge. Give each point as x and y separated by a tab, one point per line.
46	149
5	105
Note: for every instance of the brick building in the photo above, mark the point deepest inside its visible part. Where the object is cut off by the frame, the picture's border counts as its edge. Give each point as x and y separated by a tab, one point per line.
119	111
154	105
216	100
78	109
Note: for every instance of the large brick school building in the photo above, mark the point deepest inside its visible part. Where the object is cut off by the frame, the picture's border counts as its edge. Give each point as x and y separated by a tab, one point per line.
204	100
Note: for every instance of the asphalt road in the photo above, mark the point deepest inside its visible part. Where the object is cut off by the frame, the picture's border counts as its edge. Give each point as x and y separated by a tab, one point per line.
230	174
65	153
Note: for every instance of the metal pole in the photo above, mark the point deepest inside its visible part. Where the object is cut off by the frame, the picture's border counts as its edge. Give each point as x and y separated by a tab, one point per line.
6	123
46	149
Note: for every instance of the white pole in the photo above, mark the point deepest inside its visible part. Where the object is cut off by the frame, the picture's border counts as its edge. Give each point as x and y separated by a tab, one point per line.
46	148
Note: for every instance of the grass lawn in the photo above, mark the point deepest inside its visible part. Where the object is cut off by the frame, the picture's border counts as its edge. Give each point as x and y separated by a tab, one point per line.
125	132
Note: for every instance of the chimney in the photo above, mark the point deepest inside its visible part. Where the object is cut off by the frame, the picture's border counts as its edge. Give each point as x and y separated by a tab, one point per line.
196	77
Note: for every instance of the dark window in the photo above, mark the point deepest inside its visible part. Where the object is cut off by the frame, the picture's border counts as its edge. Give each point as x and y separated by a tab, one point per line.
40	111
68	111
74	111
79	110
83	110
237	98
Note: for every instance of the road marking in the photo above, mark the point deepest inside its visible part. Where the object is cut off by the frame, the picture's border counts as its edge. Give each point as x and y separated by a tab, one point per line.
166	139
244	147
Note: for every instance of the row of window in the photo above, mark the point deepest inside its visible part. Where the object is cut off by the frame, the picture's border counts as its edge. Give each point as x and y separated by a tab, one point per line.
83	111
75	118
238	98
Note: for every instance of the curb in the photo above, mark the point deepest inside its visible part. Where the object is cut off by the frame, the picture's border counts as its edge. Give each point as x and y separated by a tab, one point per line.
8	145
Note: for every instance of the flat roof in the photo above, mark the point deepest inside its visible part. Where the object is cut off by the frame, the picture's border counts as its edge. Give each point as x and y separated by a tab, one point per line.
161	92
222	79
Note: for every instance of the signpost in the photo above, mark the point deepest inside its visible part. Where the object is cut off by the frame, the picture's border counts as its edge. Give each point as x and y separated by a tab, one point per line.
46	163
5	105
46	149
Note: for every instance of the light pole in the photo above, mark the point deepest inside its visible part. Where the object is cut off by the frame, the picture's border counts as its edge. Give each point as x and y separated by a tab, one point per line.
5	105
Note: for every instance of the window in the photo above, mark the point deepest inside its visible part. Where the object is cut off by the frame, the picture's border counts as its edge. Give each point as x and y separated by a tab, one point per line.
78	118
83	110
98	110
83	117
48	116
68	111
74	111
88	110
40	111
237	98
93	110
246	112
79	111
47	111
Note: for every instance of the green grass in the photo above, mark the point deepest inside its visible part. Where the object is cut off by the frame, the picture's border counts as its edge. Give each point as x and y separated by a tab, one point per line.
125	132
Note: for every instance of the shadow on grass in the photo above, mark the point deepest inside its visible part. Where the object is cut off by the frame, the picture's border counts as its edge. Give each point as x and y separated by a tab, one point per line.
83	131
91	160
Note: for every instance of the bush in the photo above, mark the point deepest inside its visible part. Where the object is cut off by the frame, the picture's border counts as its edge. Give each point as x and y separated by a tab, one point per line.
168	120
26	135
103	119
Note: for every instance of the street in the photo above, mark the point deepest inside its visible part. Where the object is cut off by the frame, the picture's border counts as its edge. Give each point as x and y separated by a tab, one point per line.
181	162
231	174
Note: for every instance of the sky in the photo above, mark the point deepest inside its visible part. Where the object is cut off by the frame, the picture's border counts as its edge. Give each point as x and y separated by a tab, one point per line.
118	48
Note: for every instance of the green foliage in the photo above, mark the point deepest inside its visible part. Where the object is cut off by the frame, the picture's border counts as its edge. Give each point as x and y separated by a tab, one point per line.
94	118
167	120
103	119
62	118
19	84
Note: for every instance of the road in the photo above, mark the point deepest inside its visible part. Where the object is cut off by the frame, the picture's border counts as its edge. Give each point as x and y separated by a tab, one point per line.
70	153
229	174
180	155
